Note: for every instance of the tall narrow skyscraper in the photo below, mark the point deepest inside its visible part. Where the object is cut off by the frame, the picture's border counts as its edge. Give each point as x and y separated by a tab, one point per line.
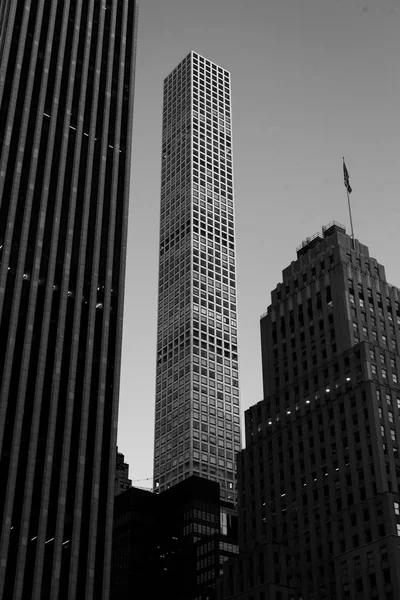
66	108
197	422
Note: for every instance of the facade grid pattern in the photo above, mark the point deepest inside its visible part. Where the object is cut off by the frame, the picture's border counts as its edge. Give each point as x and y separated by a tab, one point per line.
197	422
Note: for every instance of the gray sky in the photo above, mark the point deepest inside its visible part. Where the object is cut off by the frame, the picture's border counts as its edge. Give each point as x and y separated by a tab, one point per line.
312	80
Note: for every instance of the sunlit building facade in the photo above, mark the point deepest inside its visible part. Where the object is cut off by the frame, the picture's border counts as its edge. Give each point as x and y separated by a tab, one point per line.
197	422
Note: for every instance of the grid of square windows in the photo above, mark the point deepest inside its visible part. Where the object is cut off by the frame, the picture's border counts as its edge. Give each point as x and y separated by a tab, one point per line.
214	285
197	397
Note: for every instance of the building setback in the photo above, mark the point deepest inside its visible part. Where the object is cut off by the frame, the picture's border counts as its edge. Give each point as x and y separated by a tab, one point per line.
122	481
66	108
172	544
320	473
197	422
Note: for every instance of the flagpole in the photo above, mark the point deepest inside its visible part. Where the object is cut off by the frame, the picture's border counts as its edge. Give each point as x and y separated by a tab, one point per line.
349	205
351	219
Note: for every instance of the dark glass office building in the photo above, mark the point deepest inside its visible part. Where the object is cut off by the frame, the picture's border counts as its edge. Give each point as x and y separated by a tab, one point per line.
319	480
66	108
172	544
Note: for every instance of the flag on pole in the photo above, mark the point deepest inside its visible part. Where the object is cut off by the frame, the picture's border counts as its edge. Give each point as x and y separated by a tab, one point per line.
346	178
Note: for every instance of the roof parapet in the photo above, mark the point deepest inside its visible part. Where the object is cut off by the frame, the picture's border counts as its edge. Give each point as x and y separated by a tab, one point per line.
314	240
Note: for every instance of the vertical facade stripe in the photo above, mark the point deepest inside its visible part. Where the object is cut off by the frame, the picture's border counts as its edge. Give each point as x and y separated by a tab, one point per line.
105	260
64	284
120	268
44	376
96	316
7	13
27	344
64	183
16	293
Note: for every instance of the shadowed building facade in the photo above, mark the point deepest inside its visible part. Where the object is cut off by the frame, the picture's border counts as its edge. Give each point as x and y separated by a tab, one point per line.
172	544
122	481
197	422
66	109
319	480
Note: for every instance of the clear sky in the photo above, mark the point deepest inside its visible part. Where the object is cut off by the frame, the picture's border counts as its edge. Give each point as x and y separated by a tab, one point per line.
312	80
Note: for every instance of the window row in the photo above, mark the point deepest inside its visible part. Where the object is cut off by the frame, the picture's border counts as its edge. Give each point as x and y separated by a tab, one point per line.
206	66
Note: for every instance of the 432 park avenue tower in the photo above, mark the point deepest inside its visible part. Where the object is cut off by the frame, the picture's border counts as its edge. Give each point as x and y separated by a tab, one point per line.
66	108
197	422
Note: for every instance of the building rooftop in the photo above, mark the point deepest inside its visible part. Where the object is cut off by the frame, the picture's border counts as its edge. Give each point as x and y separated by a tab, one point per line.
314	240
